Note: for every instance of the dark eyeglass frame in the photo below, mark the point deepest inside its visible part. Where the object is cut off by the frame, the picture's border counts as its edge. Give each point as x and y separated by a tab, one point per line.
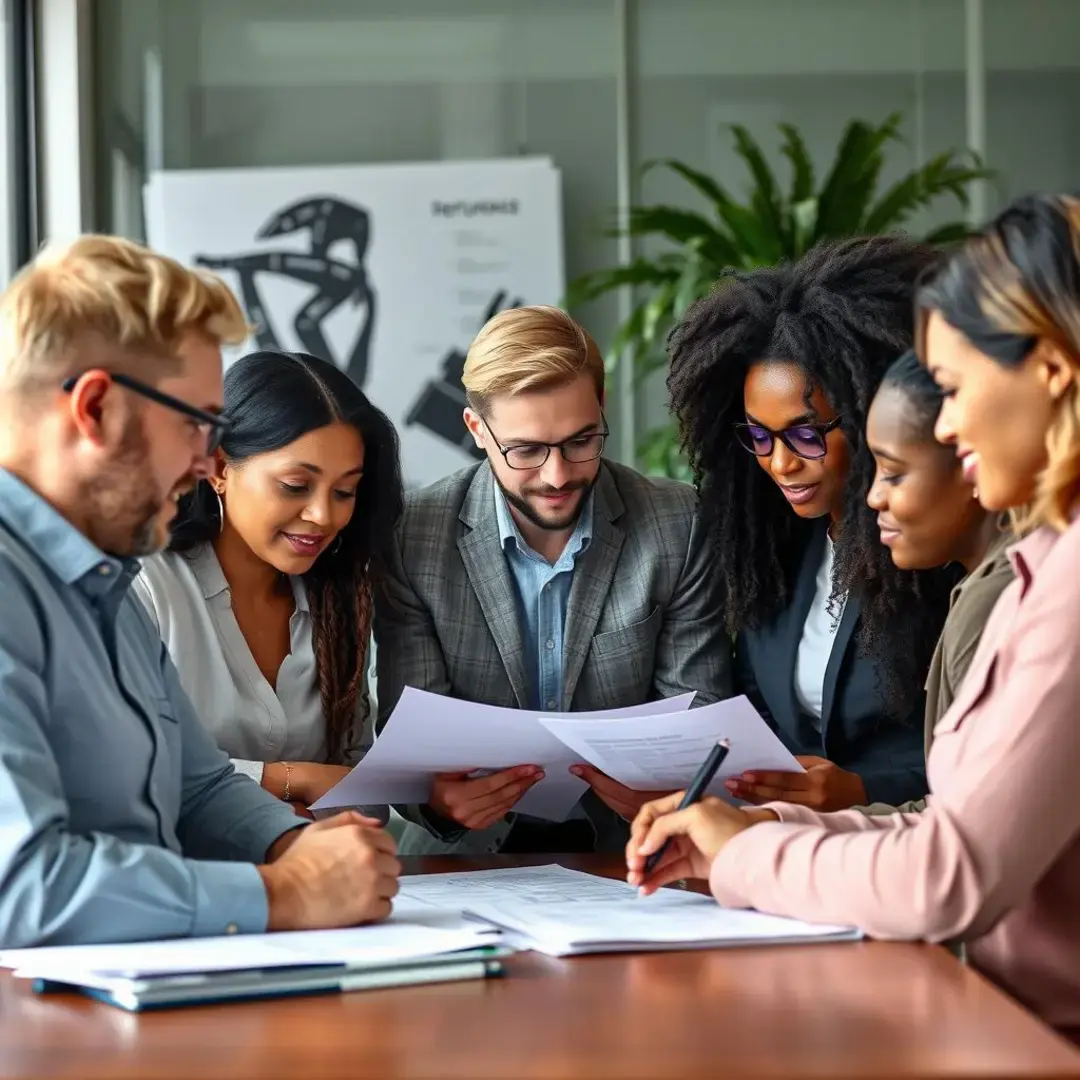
506	451
821	430
217	424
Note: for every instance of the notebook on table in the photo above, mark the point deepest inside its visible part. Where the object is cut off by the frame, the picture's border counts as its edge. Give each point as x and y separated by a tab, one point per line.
417	944
157	991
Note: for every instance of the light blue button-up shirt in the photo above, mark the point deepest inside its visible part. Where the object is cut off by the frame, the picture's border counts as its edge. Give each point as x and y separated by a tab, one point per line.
543	593
120	819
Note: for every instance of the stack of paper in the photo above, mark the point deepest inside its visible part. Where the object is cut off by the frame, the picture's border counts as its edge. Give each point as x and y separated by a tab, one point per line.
658	746
420	943
564	912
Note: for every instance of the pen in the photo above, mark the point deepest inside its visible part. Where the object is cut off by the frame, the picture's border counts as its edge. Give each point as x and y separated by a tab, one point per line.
693	793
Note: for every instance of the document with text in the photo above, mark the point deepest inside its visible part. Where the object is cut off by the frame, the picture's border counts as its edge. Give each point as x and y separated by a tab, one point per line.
652	753
564	912
657	746
429	733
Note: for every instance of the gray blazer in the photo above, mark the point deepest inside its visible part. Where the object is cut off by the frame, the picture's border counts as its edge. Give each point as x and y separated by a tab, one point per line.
643	620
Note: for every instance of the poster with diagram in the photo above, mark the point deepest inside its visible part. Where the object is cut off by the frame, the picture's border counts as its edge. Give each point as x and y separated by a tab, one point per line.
386	270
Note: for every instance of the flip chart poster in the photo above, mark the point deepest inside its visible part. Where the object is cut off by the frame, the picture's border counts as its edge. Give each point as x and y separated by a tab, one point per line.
388	271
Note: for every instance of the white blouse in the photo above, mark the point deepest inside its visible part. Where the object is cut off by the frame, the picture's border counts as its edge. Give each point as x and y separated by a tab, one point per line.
190	602
819	633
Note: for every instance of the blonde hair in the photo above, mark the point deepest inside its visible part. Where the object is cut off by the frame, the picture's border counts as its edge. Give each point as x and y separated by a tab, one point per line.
1014	288
120	292
529	348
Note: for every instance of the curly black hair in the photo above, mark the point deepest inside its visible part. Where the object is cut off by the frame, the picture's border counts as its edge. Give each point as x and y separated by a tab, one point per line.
843	314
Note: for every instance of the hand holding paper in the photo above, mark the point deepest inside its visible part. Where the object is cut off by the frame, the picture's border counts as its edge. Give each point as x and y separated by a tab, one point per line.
644	749
479	801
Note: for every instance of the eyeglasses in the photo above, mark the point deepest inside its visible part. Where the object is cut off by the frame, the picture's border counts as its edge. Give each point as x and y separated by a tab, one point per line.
214	426
803	440
532	455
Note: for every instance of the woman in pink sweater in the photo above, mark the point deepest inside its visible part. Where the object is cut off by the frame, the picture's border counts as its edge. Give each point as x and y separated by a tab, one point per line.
994	861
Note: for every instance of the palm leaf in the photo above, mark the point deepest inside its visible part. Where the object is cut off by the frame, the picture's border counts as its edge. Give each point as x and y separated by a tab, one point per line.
640	272
758	244
804	216
694	282
682	227
708	187
802	165
939	176
765	198
627	339
849	188
657	311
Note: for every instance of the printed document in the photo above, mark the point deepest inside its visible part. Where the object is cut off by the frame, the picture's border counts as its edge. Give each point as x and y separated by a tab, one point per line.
563	912
656	746
429	733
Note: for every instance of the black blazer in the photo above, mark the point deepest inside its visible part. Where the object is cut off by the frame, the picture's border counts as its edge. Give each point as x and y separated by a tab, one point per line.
855	732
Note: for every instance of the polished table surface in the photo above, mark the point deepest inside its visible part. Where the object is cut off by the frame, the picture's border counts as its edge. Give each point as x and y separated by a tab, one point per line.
838	1010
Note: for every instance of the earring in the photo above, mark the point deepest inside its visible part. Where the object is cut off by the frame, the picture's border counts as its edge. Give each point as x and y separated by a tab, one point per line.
335	547
220	510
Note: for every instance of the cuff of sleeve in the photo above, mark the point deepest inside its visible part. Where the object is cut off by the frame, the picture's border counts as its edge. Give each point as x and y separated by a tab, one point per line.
789	813
230	898
253	769
444	828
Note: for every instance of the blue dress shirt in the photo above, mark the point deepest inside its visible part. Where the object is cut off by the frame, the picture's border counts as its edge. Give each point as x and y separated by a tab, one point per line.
543	594
120	820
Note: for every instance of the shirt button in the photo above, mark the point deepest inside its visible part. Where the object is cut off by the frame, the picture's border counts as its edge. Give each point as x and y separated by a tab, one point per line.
232	928
549	644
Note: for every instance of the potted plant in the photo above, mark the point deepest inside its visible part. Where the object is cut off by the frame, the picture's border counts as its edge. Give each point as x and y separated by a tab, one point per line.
774	223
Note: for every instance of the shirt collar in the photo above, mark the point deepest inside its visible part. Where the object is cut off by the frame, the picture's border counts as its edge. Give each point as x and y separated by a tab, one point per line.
508	530
1031	552
211	578
67	552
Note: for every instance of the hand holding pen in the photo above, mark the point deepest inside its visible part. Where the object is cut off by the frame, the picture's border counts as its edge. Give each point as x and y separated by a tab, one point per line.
679	836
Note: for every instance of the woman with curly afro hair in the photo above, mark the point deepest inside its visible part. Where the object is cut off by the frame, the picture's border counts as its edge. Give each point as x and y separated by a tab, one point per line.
771	379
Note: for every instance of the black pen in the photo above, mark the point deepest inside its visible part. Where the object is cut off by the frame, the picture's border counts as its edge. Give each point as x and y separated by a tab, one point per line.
693	793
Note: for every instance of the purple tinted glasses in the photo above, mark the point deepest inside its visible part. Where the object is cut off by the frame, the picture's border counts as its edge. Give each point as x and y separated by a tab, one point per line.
803	440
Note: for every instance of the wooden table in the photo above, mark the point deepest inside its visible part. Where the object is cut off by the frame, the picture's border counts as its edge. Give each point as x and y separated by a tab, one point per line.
837	1011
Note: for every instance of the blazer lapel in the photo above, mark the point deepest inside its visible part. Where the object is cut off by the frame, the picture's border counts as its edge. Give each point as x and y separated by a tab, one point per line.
485	564
841	641
798	610
594	571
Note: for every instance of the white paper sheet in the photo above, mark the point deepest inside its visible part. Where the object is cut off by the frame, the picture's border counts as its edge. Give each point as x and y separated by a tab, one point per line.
663	753
562	912
429	733
416	929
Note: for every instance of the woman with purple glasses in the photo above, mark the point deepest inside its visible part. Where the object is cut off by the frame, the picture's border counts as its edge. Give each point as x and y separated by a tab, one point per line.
771	380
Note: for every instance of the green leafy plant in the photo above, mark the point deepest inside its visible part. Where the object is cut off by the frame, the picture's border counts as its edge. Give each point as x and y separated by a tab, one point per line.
773	223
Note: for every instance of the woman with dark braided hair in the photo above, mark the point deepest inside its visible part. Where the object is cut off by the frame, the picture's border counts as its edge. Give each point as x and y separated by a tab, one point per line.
264	597
771	379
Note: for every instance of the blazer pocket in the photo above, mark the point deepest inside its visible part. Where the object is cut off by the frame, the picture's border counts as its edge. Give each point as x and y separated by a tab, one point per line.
636	638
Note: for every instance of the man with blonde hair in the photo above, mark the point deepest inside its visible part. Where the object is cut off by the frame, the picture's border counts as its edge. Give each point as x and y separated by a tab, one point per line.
544	578
121	818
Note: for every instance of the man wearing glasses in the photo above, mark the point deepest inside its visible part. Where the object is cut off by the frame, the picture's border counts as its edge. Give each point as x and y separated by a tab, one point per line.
120	819
545	578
